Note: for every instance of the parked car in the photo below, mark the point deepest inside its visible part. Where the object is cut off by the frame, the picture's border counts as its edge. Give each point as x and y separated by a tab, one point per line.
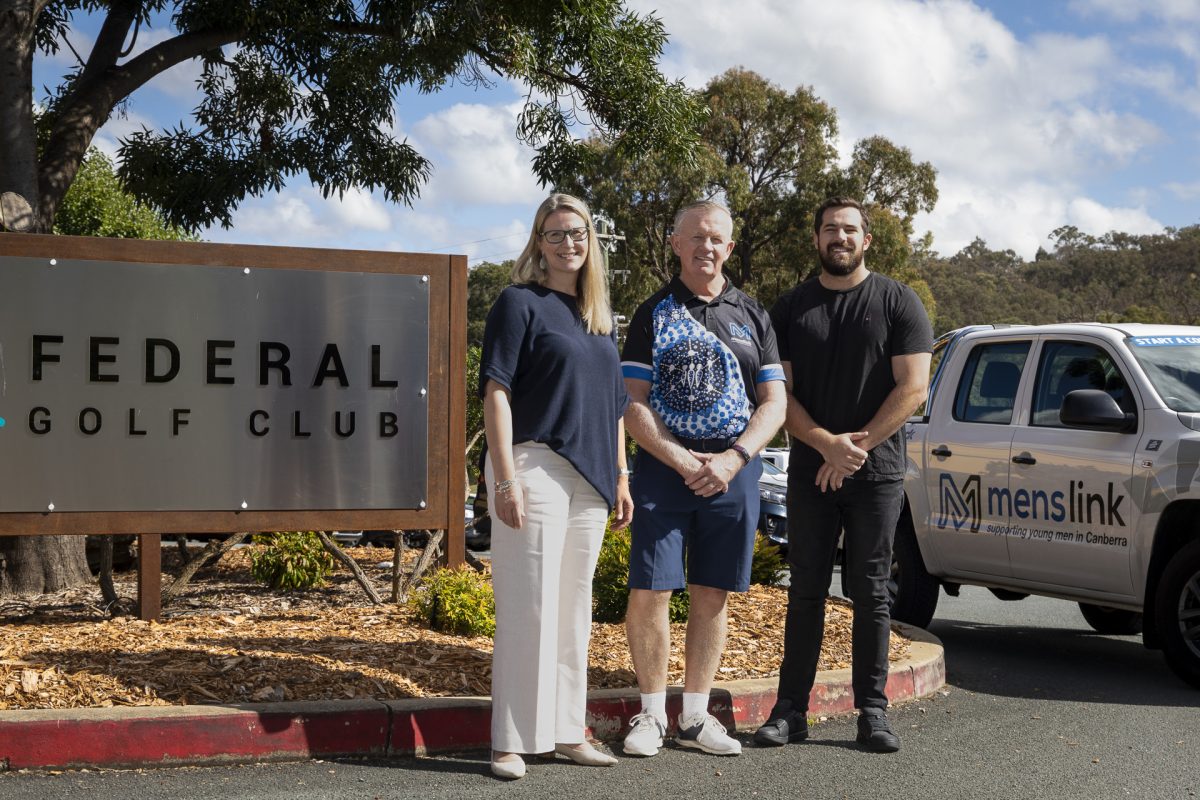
479	521
777	456
347	538
772	493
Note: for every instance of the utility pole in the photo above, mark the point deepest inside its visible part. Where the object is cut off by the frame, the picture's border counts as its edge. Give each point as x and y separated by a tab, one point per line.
610	238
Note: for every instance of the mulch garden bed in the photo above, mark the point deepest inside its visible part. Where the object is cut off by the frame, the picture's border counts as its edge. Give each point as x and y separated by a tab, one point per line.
229	640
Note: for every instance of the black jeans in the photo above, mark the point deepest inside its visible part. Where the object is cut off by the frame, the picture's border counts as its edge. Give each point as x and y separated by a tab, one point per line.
867	511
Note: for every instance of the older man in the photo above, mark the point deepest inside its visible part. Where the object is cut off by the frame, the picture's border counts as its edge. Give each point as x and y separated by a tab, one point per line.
856	349
706	394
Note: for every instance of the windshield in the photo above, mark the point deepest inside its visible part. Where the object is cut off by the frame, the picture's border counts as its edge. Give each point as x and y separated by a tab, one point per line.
771	469
1172	363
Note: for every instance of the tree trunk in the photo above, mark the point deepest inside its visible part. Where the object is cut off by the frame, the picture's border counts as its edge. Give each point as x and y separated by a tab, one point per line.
349	563
42	564
18	148
212	552
107	589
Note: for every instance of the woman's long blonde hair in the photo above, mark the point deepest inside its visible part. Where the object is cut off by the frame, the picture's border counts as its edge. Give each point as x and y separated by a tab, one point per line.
592	285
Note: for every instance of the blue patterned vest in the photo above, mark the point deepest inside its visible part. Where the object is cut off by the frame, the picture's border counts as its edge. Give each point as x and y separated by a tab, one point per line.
697	388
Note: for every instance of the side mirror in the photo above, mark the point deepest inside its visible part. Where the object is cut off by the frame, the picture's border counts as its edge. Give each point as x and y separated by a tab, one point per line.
1092	408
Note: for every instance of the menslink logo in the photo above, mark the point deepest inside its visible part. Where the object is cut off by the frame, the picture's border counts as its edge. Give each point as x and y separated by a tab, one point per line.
958	507
1076	505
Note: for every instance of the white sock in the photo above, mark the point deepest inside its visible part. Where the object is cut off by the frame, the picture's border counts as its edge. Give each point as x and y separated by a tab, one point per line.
655	704
694	703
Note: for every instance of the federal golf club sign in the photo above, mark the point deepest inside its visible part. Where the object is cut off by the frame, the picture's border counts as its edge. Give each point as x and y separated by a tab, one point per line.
144	386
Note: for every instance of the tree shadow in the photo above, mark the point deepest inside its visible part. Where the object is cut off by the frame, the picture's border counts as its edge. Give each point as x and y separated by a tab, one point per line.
1057	664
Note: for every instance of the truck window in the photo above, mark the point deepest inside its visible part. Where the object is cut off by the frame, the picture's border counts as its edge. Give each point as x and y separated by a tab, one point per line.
1172	363
1067	366
987	391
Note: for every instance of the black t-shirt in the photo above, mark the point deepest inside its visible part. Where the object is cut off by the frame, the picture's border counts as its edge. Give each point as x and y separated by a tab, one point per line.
565	383
840	345
703	360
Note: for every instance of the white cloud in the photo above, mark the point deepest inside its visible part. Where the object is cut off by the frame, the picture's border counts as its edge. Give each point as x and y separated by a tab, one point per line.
425	233
286	218
301	217
1185	191
180	80
1130	10
1096	219
119	125
1014	126
1022	217
357	209
477	158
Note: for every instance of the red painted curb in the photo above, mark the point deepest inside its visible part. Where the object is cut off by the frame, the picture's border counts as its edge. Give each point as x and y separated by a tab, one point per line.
171	736
178	735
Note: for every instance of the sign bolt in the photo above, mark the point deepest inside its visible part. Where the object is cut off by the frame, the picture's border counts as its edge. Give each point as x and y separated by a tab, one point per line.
245	504
50	507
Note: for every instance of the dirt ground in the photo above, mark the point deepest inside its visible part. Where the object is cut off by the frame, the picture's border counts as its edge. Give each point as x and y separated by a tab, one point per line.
227	640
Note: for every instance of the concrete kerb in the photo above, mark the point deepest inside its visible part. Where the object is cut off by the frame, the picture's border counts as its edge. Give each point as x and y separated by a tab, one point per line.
160	736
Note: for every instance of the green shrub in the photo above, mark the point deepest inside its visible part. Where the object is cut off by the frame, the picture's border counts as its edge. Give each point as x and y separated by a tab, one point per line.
458	601
290	560
768	566
681	602
610	584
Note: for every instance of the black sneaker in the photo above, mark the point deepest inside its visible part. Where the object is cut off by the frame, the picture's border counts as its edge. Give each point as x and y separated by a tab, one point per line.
784	725
875	732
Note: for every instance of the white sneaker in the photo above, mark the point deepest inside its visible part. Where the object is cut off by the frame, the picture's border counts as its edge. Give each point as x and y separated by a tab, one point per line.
703	732
646	735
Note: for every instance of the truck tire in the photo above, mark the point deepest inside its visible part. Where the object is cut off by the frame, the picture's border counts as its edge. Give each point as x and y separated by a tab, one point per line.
1177	613
913	591
1113	621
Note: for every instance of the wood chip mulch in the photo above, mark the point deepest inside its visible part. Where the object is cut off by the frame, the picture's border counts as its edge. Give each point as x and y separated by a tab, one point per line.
229	640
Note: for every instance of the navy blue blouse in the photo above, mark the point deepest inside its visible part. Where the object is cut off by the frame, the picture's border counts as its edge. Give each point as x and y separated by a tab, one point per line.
565	383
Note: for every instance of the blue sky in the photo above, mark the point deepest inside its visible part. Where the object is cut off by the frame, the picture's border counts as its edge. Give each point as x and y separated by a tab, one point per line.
1036	115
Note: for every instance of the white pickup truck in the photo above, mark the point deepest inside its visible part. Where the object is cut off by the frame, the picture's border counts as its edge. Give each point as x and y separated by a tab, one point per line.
1061	460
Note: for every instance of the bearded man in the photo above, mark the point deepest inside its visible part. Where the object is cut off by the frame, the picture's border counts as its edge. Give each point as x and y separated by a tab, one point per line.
855	348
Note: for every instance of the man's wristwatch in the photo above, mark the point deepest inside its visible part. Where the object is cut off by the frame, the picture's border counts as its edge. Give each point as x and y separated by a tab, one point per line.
741	451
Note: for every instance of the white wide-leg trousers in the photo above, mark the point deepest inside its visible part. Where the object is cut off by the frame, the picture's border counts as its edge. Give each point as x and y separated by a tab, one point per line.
542	577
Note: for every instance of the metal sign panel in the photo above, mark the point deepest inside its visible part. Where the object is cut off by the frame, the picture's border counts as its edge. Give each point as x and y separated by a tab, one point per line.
170	387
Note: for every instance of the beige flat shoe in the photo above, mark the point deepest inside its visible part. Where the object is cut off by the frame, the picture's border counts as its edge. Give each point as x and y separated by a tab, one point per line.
586	755
510	766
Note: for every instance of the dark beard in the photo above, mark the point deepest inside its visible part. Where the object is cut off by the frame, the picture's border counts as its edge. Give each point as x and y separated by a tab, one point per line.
839	269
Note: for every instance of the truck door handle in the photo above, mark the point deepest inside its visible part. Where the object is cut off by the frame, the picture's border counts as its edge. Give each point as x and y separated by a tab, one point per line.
943	452
1024	458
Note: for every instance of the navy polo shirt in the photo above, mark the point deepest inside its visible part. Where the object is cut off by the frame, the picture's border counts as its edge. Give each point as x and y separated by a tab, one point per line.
565	383
703	359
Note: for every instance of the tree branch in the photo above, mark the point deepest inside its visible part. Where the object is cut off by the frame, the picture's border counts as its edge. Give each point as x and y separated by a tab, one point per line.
91	104
350	564
109	42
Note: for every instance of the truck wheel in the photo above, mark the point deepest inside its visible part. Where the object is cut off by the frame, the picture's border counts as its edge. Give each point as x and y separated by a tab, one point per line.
913	591
1177	613
1115	621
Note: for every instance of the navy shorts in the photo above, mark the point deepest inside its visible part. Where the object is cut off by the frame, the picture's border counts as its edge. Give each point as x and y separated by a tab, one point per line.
680	538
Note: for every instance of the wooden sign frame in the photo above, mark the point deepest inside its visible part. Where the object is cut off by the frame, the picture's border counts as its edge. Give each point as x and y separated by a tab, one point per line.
446	475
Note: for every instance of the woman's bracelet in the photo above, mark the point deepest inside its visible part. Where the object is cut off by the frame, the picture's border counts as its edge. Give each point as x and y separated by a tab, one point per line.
622	472
506	487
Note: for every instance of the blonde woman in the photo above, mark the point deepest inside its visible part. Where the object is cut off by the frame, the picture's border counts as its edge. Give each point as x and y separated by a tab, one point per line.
553	398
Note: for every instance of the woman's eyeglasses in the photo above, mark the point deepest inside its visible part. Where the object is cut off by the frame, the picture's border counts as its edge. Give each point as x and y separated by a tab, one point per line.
557	237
